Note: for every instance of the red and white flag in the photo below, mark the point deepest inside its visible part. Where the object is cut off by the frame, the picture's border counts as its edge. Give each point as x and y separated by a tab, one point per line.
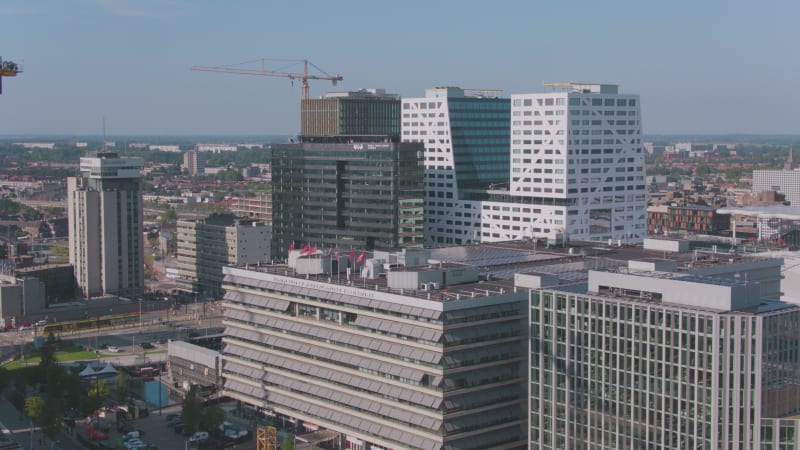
305	250
291	246
351	256
313	250
361	257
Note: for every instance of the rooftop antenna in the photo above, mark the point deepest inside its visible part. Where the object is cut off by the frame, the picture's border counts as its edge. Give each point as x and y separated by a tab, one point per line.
104	135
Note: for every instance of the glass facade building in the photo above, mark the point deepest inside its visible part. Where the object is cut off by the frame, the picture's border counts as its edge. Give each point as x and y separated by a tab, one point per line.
466	136
656	361
347	192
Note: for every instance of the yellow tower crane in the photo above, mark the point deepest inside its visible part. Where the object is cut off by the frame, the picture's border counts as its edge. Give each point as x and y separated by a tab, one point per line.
303	77
8	69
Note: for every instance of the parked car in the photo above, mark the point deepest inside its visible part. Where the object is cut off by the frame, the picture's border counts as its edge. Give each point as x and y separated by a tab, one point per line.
198	436
147	345
113	349
170	417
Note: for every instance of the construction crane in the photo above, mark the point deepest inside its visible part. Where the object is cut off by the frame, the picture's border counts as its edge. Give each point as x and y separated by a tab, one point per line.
303	77
7	69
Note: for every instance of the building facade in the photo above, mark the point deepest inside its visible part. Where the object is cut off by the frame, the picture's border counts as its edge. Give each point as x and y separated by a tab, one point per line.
194	162
105	226
363	112
206	246
347	192
558	165
659	360
381	366
258	207
786	182
466	137
691	219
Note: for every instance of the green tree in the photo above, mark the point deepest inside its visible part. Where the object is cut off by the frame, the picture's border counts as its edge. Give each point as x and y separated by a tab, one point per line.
288	443
51	418
702	171
97	394
122	386
212	417
192	411
169	216
34	406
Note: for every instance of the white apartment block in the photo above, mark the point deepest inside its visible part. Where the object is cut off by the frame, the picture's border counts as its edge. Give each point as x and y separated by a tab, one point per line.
215	148
559	165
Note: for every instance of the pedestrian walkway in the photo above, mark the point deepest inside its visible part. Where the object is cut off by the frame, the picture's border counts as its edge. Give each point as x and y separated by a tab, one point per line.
30	438
18	424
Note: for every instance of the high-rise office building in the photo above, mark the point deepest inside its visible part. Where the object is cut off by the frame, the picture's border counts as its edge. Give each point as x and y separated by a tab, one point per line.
105	225
417	358
466	137
205	246
663	360
557	165
347	192
362	112
194	162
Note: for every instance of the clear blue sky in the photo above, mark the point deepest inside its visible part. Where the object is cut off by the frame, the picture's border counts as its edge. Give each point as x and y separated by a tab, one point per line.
700	66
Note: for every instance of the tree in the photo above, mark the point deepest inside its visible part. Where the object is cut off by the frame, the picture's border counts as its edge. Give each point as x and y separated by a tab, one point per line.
97	394
168	216
122	386
288	443
192	411
212	417
51	418
34	406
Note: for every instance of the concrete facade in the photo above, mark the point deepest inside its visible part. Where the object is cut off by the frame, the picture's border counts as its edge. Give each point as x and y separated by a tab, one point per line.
105	226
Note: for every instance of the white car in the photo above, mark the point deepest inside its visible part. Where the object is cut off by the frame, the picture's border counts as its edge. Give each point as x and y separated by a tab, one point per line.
198	436
113	349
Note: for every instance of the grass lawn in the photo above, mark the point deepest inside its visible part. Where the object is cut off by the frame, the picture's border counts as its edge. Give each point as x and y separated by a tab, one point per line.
71	353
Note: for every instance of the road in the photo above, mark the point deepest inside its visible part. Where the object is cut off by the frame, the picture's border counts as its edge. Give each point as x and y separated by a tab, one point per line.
155	326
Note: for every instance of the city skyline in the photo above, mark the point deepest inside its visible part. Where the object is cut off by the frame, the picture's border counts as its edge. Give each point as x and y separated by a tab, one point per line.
700	69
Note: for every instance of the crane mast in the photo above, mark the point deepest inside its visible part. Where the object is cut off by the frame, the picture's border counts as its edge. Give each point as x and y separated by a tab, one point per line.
303	77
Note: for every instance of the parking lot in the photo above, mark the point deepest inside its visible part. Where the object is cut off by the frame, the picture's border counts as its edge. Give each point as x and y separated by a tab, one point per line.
157	433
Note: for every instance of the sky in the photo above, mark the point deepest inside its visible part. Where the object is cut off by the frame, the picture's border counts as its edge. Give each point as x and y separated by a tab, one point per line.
700	67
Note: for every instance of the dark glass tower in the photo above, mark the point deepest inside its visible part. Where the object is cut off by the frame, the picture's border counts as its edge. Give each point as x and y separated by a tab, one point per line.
347	192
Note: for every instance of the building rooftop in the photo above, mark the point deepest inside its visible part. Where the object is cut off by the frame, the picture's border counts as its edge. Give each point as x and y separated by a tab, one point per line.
497	264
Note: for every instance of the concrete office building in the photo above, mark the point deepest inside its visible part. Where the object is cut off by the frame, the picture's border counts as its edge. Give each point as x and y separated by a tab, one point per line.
347	192
362	112
105	226
644	358
194	162
417	358
205	246
786	182
558	165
